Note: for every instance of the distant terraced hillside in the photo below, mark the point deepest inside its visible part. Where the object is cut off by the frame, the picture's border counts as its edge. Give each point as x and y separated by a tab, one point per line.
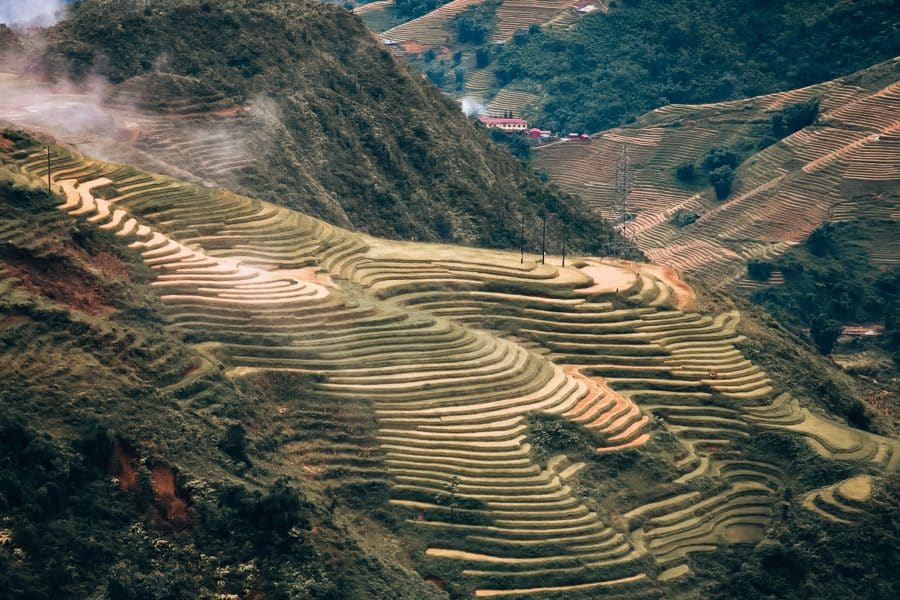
465	356
845	166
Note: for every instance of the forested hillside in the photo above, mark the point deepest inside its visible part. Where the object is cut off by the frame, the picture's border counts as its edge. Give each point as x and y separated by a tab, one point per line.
609	67
332	124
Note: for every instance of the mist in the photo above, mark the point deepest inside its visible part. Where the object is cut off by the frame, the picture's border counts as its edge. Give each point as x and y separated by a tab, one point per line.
31	13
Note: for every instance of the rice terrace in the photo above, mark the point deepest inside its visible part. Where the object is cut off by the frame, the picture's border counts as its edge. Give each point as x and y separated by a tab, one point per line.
415	299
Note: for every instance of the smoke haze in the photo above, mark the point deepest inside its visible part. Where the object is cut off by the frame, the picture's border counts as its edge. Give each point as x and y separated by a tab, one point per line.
471	106
31	13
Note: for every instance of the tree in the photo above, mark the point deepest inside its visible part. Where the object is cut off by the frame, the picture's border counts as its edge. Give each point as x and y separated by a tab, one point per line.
436	76
795	117
234	444
482	58
719	157
686	172
825	333
453	497
721	179
820	241
760	270
460	80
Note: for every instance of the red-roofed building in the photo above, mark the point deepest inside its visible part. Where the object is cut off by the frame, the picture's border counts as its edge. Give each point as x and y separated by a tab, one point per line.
539	133
504	123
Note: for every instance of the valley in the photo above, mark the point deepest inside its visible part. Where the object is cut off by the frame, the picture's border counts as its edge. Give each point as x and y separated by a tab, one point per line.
427	299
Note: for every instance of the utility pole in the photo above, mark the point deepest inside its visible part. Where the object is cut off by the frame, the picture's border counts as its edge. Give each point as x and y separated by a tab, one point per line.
565	235
522	240
620	214
543	238
48	170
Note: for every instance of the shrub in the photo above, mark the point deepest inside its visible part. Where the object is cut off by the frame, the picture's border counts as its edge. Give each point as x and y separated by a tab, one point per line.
820	241
234	444
473	25
721	179
684	217
795	117
482	58
825	333
436	76
760	270
686	172
719	157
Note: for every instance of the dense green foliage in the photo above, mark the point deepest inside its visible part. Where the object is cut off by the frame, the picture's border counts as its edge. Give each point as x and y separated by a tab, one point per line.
410	9
684	217
345	133
804	556
831	280
795	117
641	55
475	23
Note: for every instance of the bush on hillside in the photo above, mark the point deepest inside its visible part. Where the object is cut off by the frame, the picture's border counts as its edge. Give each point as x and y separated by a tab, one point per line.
417	8
719	157
795	117
684	217
721	179
686	172
825	333
475	23
482	57
516	142
759	270
820	242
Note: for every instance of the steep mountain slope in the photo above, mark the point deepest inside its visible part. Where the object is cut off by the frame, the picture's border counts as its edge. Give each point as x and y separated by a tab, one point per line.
842	167
530	430
323	119
116	475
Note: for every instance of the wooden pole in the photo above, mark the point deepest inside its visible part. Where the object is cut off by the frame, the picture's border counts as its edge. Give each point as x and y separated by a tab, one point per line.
522	240
48	170
543	239
565	235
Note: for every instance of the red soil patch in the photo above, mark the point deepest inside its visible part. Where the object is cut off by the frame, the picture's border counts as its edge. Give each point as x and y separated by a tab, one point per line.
60	283
6	144
436	582
173	508
10	320
123	468
110	265
413	47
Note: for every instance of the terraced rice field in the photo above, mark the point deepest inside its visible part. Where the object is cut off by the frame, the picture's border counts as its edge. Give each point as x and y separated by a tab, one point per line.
845	166
430	29
842	502
510	100
452	349
513	15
